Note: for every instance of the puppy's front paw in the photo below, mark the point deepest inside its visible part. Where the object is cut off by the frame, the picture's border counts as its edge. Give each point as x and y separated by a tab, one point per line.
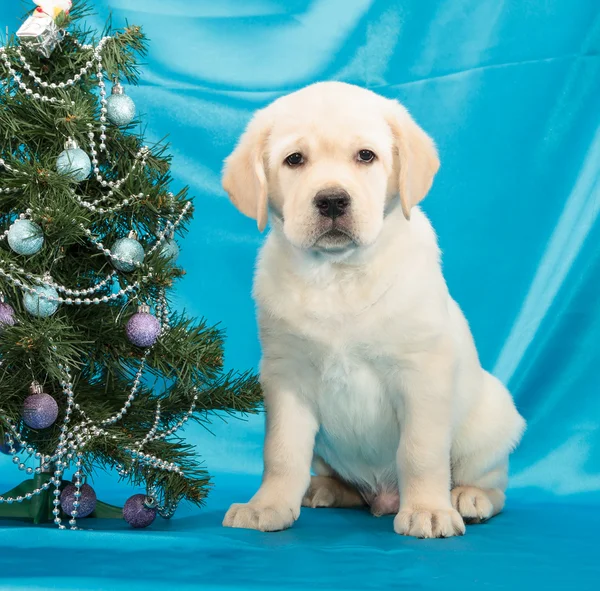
249	516
429	523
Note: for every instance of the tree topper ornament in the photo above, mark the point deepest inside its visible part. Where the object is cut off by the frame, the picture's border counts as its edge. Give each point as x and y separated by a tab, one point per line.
39	31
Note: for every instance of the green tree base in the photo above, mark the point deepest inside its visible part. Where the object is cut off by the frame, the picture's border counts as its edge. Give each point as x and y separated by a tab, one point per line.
39	508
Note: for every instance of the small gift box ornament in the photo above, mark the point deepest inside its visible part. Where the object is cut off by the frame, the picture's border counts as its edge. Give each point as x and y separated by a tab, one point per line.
40	31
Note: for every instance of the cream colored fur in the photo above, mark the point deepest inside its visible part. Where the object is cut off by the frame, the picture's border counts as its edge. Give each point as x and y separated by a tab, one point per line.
369	368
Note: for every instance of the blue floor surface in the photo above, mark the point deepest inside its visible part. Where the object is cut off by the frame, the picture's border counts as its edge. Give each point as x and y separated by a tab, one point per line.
535	544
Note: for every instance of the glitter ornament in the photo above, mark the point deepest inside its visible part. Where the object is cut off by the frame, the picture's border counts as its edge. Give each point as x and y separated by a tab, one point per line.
40	409
169	250
128	251
25	237
87	500
42	302
143	328
7	314
120	108
139	511
74	162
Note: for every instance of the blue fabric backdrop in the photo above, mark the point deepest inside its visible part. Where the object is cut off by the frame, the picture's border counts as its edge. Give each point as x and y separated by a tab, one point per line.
510	90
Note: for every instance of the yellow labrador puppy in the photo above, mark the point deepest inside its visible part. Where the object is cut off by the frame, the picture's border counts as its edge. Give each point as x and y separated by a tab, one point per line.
369	369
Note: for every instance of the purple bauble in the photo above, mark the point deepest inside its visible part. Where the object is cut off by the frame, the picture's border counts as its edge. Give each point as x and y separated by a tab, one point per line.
136	513
40	411
7	315
87	500
143	329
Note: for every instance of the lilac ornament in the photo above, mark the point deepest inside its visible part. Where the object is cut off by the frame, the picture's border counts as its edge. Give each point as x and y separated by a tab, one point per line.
7	315
87	500
143	328
40	410
139	511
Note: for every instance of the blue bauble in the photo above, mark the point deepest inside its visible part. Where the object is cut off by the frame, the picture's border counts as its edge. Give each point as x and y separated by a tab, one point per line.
128	249
40	306
74	162
169	250
25	237
120	109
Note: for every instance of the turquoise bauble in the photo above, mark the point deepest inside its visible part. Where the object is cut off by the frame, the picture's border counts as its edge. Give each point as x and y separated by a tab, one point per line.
40	306
25	237
120	109
128	249
169	250
74	162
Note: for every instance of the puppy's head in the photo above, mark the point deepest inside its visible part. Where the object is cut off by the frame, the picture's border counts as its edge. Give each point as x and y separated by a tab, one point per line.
329	161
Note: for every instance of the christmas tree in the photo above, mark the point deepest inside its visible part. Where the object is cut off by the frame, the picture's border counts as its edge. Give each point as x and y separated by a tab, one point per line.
95	370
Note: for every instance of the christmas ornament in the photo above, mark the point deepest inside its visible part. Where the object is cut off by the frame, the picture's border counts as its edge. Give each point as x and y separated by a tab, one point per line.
25	237
41	302
128	251
40	32
40	409
120	108
7	314
139	511
169	250
143	328
87	500
74	162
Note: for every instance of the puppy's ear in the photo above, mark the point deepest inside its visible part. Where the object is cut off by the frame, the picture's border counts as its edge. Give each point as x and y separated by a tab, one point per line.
418	157
244	174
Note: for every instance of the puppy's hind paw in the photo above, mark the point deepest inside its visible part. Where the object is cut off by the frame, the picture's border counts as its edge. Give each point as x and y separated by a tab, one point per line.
321	493
474	504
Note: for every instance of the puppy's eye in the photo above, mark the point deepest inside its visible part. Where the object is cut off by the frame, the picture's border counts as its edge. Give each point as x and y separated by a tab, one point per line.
295	159
366	156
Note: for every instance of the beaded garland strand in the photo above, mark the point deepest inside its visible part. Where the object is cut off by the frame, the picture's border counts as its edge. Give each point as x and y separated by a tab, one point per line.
73	439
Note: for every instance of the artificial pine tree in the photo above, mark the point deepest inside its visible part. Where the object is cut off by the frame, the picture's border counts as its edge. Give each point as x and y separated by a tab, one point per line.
95	371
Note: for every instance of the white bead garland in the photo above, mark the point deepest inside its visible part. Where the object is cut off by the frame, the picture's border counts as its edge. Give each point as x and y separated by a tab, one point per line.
71	82
139	159
17	77
77	301
93	206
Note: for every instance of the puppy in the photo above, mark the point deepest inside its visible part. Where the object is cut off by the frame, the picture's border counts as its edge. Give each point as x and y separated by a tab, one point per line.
369	369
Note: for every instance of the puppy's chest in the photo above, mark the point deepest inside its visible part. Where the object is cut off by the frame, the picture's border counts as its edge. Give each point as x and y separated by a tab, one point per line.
357	410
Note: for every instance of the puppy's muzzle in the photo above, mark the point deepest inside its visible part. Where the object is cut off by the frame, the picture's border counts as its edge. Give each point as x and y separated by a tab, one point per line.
332	203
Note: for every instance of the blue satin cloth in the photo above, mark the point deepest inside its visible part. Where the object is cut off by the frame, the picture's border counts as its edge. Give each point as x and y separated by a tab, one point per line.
511	93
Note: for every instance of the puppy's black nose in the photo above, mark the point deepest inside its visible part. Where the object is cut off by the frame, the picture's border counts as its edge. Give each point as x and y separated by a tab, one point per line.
332	203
